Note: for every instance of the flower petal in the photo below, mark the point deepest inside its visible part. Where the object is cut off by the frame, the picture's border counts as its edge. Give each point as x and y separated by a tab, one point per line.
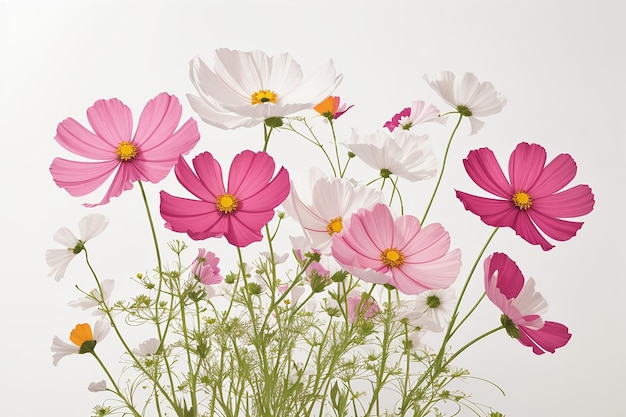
111	120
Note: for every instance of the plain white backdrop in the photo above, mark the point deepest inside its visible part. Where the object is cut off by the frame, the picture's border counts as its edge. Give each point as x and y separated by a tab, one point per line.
560	64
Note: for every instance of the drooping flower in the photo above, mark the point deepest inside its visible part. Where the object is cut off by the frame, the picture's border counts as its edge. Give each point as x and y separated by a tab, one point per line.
379	249
205	267
435	308
333	200
98	386
400	153
237	212
418	113
58	259
531	200
361	306
470	97
82	338
147	347
521	306
149	155
245	88
331	108
95	298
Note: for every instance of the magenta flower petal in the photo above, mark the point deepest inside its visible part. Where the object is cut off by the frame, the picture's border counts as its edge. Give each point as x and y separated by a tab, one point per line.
547	339
573	202
556	175
526	165
185	215
483	168
497	213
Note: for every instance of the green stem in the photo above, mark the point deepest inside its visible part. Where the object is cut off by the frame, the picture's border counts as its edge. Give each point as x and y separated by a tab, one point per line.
117	391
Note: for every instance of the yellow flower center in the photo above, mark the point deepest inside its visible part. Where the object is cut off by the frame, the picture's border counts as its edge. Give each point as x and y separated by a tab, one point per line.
126	151
392	257
522	200
81	334
263	96
334	226
227	203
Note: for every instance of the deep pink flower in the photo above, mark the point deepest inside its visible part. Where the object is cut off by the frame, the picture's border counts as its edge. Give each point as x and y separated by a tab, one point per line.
205	267
238	212
418	113
531	200
522	306
147	156
376	248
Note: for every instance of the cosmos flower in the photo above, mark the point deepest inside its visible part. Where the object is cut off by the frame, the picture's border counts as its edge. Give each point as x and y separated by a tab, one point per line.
237	212
82	338
245	88
470	97
379	249
58	259
149	155
205	267
98	386
400	153
147	347
331	108
531	200
435	308
418	113
361	306
95	298
521	306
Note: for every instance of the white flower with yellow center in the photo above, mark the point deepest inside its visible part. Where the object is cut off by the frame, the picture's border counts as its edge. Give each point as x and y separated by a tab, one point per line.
246	88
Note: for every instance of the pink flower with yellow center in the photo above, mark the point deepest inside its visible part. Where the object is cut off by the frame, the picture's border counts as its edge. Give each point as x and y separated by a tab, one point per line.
148	155
379	249
331	108
521	306
531	200
237	212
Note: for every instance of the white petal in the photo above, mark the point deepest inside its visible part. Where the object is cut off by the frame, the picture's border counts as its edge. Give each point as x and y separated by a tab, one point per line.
58	261
61	349
65	237
101	329
97	386
91	226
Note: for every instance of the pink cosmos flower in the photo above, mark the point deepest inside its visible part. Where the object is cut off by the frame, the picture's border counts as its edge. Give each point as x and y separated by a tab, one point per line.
419	112
361	305
331	108
237	212
147	156
379	249
522	306
205	267
531	200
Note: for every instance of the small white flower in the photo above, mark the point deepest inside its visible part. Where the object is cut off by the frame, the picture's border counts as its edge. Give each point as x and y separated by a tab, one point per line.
400	153
278	259
147	347
435	308
468	96
98	386
94	298
83	340
58	259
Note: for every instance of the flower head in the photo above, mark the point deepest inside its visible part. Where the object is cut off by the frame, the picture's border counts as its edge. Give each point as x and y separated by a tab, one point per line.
400	153
470	97
245	88
98	386
95	298
435	308
59	259
418	113
521	306
331	109
82	338
531	200
361	306
147	347
380	249
205	267
237	212
147	156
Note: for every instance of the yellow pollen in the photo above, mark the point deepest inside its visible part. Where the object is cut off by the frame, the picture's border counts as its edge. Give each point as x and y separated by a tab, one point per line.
263	96
227	203
81	334
392	257
334	226
126	151
522	200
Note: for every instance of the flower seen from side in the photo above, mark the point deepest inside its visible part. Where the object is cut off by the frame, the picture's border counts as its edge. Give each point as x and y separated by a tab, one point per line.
237	212
245	88
205	268
82	338
148	155
400	153
331	108
361	306
95	298
379	249
98	386
147	347
419	112
521	306
531	200
470	97
59	259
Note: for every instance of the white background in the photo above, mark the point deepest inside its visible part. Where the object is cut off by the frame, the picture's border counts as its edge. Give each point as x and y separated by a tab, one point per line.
559	63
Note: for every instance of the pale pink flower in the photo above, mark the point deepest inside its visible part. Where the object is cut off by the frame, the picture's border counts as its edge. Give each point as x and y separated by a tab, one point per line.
419	112
205	268
98	386
361	305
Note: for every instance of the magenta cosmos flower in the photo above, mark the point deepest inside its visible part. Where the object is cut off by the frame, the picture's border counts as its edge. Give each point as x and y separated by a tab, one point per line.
238	212
521	306
378	249
531	200
147	156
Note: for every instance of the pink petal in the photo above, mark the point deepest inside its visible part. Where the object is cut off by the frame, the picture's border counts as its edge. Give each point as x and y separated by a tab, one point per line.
157	122
431	243
526	229
556	175
483	168
249	173
199	219
270	196
77	139
436	273
525	165
111	120
120	183
498	213
81	178
555	228
547	339
208	183
510	279
574	202
245	228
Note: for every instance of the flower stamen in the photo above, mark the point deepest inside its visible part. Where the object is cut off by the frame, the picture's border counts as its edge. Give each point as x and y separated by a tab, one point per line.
392	257
126	151
263	96
522	200
226	203
334	226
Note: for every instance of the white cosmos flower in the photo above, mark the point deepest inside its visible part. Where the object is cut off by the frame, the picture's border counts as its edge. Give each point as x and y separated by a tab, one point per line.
435	308
468	96
332	202
400	152
98	386
82	338
58	259
147	347
245	88
94	298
